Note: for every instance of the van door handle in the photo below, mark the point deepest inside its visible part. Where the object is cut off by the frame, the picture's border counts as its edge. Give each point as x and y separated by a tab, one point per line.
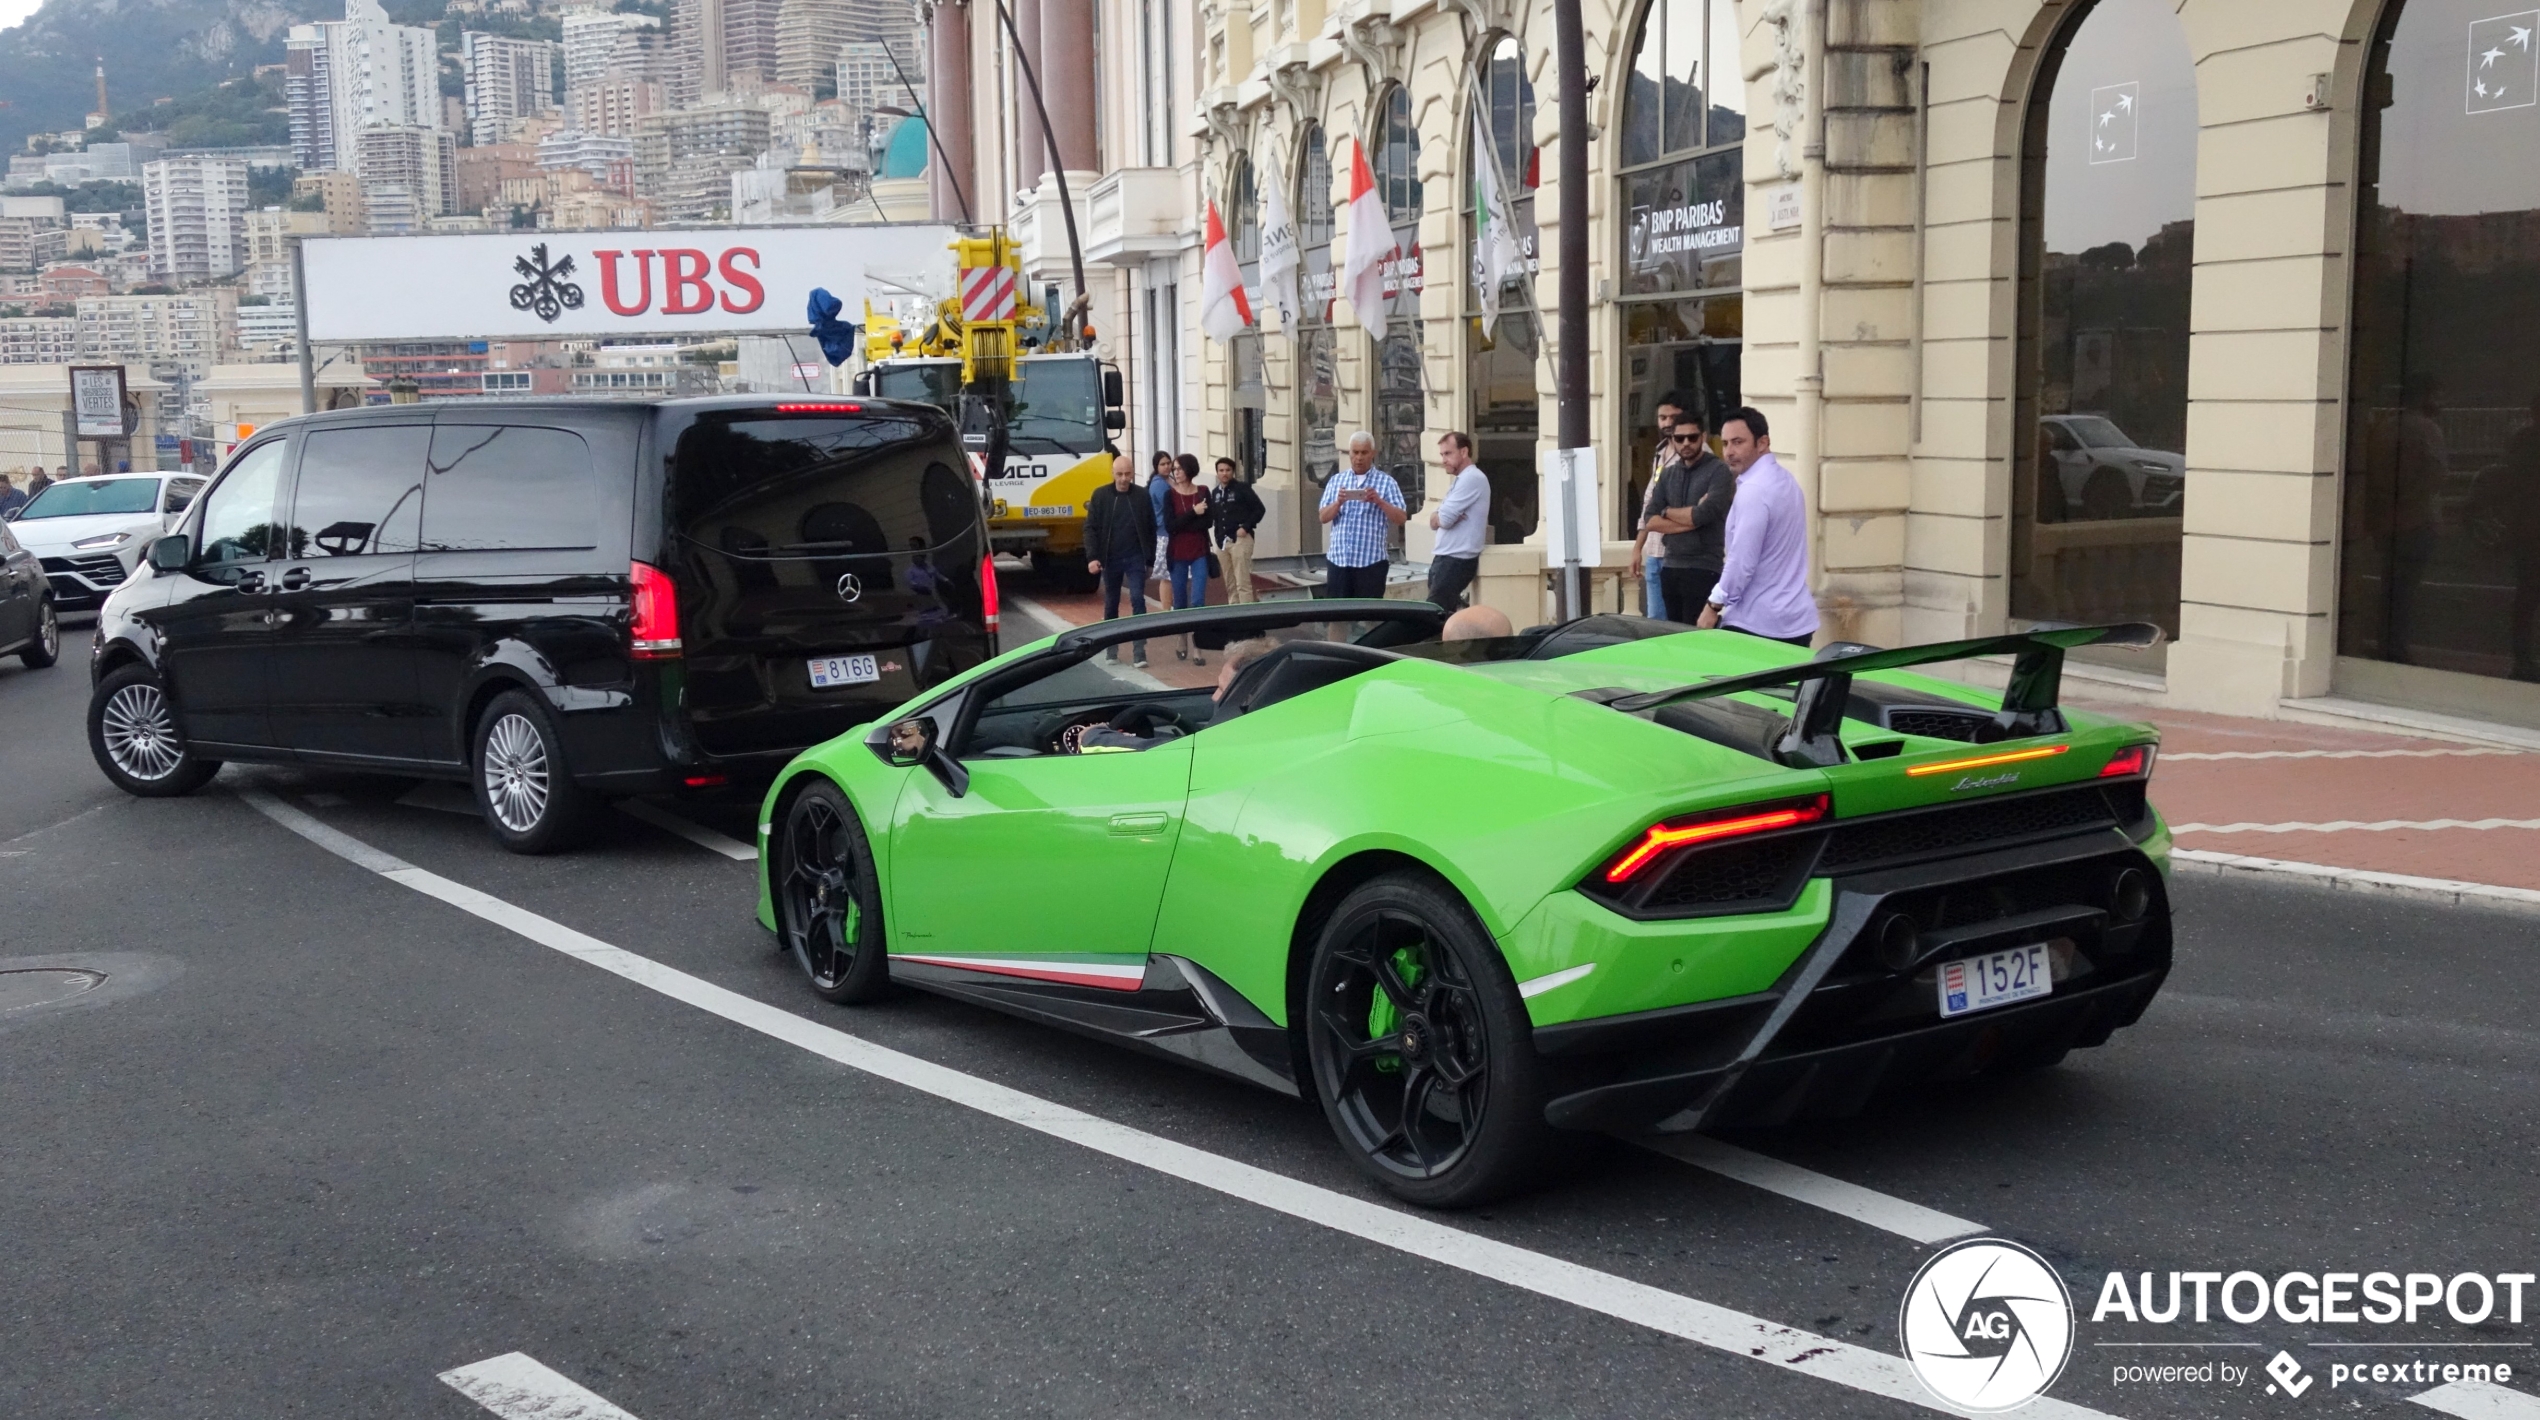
295	579
1138	825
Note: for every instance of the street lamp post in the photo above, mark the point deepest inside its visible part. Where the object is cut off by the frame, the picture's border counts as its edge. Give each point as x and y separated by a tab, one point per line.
1570	373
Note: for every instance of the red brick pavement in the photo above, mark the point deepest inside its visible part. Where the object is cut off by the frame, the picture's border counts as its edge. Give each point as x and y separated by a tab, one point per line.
2362	778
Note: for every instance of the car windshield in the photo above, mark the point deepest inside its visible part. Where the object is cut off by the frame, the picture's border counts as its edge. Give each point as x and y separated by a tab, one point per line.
1057	406
82	497
2096	432
935	382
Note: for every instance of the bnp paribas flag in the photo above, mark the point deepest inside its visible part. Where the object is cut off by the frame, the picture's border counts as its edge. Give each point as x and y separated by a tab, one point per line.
1496	253
2504	63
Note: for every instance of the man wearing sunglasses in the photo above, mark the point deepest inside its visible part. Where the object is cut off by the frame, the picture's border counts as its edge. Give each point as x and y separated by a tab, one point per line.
1692	501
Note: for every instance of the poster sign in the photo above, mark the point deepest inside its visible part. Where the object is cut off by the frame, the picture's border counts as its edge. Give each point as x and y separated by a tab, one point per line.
1572	529
97	400
2504	63
1687	229
560	285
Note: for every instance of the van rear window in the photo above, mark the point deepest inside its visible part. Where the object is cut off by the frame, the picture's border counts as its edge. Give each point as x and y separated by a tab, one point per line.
783	488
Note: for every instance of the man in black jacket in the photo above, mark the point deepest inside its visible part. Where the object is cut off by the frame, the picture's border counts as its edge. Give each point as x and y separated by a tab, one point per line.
1119	538
1239	513
1692	497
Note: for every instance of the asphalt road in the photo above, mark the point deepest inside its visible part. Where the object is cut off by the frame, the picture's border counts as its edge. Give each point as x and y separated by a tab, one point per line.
322	1137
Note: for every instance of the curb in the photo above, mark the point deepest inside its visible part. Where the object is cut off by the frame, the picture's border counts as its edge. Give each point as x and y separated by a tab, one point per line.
2440	890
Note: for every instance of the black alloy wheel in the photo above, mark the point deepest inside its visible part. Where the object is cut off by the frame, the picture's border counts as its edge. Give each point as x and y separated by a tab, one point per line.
1421	1051
828	903
46	648
134	735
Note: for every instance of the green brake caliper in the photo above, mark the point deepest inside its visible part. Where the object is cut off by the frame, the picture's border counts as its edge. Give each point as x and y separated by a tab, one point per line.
1381	1015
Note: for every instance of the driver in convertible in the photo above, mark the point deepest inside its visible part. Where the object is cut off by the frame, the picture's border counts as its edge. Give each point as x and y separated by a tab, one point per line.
1146	726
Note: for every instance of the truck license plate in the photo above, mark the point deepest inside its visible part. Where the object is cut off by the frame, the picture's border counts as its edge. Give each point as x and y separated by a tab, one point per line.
830	672
1994	979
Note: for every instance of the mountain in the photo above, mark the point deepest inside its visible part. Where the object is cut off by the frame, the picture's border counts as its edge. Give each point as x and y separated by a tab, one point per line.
152	49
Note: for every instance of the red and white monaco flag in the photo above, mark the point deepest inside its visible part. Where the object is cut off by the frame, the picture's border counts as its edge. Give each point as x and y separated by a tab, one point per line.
1370	245
1223	309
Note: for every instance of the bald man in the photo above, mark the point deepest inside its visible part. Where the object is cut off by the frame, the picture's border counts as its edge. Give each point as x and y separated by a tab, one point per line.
1477	623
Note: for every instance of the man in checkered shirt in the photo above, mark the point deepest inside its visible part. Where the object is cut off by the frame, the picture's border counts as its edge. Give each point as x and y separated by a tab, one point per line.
1361	505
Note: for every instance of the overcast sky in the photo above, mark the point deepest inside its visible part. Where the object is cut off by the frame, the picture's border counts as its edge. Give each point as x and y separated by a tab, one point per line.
13	11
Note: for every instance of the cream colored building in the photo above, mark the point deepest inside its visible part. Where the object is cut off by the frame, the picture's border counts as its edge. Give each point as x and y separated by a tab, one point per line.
2194	311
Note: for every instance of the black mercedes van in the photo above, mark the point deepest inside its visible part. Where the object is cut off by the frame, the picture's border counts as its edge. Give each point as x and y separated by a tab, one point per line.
558	601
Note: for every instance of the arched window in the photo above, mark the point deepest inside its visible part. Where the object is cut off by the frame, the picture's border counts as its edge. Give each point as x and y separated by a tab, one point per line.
1396	158
2107	228
1243	217
1505	409
2439	556
1318	390
1683	196
1397	410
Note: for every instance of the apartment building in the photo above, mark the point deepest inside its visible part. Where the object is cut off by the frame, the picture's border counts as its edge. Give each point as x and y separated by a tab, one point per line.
38	340
684	159
191	328
198	218
507	80
409	175
28	242
598	43
615	103
342	76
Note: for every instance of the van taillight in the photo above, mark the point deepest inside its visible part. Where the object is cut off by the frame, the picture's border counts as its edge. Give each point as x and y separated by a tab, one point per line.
656	634
988	589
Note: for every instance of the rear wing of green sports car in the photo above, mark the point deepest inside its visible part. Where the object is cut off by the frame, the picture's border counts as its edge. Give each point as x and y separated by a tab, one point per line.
1824	686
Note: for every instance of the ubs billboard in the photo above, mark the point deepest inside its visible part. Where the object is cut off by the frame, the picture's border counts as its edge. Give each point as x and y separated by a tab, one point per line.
534	285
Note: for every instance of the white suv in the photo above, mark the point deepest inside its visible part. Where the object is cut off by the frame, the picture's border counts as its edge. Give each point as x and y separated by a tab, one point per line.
90	532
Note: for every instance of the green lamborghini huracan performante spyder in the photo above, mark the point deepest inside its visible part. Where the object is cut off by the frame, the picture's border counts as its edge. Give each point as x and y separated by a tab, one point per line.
1612	875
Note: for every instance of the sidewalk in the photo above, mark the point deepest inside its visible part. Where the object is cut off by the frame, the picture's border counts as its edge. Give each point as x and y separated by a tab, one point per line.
2351	807
2347	808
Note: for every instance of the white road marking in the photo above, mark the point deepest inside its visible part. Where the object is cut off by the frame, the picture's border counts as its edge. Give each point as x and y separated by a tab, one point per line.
1638	1303
695	833
2480	1400
1554	981
518	1388
1861	1205
2348	825
2170	756
441	794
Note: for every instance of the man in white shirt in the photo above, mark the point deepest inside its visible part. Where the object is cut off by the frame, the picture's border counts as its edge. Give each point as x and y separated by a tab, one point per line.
1763	586
1462	519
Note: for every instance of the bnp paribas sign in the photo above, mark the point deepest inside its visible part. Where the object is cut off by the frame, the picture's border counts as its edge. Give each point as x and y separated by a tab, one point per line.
719	280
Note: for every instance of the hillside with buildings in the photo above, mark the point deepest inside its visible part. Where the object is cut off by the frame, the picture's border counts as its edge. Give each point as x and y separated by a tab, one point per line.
154	229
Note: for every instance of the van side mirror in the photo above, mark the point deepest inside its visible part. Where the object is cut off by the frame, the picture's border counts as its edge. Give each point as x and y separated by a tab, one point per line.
171	553
1114	419
861	383
1114	393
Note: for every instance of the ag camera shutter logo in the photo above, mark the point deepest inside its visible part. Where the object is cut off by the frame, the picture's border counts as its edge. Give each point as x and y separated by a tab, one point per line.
1987	1325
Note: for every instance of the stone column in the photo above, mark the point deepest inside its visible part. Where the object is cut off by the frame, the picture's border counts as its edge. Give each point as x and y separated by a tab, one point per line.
1031	150
1066	67
948	108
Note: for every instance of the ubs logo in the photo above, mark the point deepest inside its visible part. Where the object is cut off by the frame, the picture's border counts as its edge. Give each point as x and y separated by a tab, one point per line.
1987	1325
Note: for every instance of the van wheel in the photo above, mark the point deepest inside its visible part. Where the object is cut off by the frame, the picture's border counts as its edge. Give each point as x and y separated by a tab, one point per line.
46	648
523	786
132	731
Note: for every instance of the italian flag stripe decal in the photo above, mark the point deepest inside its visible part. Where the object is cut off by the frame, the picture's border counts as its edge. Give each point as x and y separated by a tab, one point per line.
1114	976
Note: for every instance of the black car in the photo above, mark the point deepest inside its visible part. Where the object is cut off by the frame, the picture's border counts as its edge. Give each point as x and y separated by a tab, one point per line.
557	601
30	623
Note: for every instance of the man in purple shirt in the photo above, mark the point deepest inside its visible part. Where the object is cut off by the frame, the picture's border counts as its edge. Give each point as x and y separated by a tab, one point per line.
1763	586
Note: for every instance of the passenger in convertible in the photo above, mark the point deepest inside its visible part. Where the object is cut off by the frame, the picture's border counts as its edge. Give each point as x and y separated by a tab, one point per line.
1146	726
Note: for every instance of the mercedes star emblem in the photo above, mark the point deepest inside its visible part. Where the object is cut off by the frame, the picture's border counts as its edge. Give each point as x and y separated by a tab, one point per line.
849	589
